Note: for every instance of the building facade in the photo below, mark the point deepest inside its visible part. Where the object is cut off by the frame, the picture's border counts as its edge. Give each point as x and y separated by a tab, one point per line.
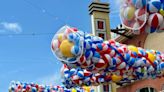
147	41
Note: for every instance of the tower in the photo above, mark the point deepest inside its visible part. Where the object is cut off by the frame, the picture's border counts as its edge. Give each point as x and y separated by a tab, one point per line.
99	13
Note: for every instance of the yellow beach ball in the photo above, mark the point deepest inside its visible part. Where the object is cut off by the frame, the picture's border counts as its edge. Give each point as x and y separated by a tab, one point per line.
65	48
133	48
161	12
151	57
116	78
60	37
129	13
86	89
74	90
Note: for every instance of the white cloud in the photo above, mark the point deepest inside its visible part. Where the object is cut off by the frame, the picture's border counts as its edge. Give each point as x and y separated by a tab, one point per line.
50	80
14	27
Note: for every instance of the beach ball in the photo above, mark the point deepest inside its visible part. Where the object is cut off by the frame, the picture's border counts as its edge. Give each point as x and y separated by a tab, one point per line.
161	65
127	56
87	44
116	78
76	50
149	29
113	62
112	53
86	79
139	3
136	26
107	57
75	79
155	20
104	47
96	57
129	13
87	73
82	60
150	69
122	12
154	6
101	64
88	54
86	64
162	11
151	57
55	45
133	48
73	71
60	37
141	15
86	89
80	74
67	30
96	39
66	70
161	27
65	48
121	66
71	61
74	90
72	36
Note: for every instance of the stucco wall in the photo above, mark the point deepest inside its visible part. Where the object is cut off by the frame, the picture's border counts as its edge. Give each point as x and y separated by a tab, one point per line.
155	41
137	40
152	41
156	83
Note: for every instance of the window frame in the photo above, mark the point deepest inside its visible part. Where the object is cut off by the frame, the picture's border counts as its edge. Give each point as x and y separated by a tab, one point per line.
138	90
99	32
104	25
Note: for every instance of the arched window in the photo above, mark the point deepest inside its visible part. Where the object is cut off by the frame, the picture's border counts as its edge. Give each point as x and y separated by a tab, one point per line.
146	89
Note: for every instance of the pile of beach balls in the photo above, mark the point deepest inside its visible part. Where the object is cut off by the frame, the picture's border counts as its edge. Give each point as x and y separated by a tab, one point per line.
89	60
143	15
16	86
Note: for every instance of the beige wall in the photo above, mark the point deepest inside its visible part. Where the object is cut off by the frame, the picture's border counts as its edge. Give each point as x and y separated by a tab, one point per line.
154	83
105	16
155	41
151	41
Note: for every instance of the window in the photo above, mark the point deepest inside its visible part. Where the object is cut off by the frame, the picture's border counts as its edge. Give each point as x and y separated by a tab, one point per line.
102	35
100	25
146	89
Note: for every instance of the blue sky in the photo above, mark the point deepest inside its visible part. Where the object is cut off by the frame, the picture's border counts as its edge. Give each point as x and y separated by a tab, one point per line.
28	58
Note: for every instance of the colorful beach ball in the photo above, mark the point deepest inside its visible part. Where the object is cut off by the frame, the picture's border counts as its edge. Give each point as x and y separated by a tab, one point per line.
154	6
149	29
141	16
129	13
55	45
136	26
139	3
161	27
155	20
75	79
101	64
